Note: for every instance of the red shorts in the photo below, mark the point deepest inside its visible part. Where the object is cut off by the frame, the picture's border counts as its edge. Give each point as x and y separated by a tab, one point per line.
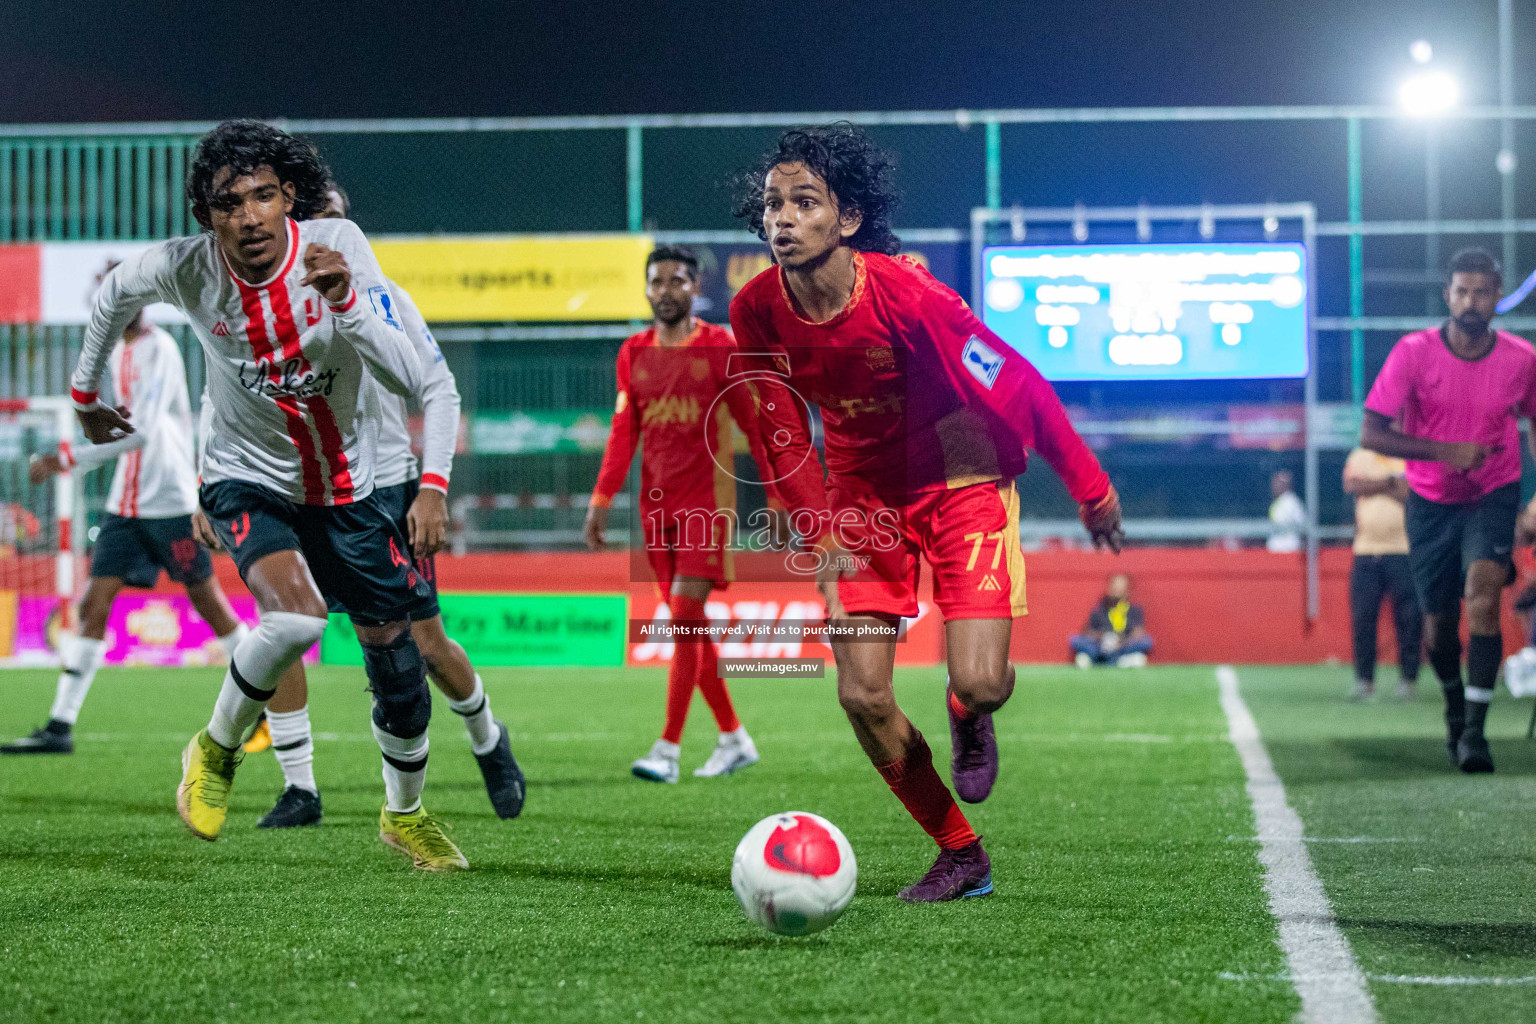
669	560
968	535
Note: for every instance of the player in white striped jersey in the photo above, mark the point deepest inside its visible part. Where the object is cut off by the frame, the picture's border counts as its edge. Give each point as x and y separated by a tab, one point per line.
417	498
296	325
147	526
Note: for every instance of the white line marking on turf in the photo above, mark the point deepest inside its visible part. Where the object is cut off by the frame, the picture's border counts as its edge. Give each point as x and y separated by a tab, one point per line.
1396	979
1323	969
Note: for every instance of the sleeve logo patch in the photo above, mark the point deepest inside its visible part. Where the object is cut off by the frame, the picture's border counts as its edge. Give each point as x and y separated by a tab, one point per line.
383	305
983	363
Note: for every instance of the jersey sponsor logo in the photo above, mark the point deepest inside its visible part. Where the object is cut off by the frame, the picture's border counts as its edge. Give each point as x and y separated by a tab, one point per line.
288	377
981	361
670	410
858	405
383	305
879	359
240	528
221	329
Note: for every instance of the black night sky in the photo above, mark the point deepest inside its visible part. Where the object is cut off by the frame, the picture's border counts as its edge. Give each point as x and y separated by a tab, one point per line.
96	61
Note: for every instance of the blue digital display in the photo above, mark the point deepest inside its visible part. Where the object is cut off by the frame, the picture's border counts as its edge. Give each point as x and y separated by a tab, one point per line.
1210	311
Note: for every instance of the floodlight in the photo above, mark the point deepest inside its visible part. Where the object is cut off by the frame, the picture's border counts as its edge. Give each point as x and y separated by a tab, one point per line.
1429	93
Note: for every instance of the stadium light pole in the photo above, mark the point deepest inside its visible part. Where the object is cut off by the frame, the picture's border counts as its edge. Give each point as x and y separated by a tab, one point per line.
1506	161
1428	94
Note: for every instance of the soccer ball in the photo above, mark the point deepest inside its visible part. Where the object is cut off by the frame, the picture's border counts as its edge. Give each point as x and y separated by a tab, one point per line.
794	873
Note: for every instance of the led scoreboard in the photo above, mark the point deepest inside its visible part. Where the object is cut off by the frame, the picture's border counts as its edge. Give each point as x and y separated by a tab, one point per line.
1151	312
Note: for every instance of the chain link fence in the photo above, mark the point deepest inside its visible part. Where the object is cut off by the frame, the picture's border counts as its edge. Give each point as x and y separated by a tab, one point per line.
1394	198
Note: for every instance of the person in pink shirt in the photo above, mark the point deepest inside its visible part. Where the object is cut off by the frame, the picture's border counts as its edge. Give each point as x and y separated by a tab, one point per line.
1458	392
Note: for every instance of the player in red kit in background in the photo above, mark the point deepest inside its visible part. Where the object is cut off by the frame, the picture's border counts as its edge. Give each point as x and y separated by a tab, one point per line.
673	393
927	415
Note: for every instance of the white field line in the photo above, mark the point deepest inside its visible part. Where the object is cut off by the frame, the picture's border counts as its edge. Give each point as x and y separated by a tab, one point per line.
1323	970
1399	979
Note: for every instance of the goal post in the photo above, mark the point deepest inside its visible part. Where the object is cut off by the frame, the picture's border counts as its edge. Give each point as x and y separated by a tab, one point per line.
42	547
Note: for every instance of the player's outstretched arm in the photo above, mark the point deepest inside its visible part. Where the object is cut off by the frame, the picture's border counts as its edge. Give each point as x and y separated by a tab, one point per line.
427	518
349	279
165	372
1013	393
128	288
618	453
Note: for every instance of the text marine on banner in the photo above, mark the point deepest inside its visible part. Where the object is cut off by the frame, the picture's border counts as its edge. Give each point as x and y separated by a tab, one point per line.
521	277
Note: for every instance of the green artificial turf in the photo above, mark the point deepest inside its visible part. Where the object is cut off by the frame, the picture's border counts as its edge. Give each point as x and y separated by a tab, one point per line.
1120	832
1432	873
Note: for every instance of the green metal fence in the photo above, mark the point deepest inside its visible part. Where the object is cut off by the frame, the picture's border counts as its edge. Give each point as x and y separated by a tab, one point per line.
1391	194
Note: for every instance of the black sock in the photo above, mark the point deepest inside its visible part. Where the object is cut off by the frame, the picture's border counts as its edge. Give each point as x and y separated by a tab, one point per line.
57	727
1477	714
1445	658
1455	708
1483	657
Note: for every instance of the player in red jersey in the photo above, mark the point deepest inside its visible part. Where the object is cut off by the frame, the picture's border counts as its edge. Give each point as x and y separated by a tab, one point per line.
674	393
927	415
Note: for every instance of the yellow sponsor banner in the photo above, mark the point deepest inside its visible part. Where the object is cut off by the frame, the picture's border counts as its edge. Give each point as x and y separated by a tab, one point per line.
521	277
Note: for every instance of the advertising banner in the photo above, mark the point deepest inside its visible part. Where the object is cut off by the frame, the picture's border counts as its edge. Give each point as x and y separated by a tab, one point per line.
515	629
454	278
539	430
160	630
55	282
521	277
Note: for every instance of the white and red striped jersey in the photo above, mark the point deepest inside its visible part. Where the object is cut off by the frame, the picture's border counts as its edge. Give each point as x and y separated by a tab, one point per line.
155	477
289	375
438	401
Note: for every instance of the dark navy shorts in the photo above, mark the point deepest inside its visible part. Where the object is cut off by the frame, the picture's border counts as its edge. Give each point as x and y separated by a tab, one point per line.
356	553
397	501
135	550
1444	541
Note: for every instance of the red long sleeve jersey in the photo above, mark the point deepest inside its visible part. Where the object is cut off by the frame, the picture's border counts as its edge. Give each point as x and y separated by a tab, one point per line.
916	393
678	402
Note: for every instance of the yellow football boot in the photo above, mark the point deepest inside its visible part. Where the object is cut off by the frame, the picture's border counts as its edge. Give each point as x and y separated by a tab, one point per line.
422	837
261	736
207	772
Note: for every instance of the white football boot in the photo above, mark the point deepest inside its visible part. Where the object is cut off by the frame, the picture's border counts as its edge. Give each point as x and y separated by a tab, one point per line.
660	765
732	753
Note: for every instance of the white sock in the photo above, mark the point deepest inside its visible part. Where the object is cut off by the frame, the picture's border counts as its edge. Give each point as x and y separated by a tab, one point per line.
402	788
476	712
1479	694
736	737
80	664
294	747
229	641
280	639
670	751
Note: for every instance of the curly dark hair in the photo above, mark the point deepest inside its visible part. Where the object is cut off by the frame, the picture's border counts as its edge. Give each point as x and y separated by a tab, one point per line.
858	173
245	145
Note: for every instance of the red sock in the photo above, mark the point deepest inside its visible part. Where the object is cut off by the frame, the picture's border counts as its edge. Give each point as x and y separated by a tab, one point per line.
960	710
679	693
684	673
925	796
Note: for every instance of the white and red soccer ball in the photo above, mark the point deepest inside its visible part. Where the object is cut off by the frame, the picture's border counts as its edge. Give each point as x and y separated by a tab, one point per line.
794	873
